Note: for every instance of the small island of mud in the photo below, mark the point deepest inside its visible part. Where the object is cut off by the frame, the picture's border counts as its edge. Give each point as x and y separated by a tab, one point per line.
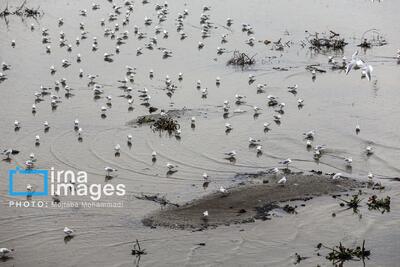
247	203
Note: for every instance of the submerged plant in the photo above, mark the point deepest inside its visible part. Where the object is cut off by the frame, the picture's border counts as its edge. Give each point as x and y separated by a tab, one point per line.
382	204
339	254
165	123
353	203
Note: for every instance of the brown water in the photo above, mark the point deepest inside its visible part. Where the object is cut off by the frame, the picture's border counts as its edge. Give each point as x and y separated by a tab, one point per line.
334	105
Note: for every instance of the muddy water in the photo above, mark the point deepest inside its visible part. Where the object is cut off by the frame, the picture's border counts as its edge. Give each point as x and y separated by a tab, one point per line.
334	105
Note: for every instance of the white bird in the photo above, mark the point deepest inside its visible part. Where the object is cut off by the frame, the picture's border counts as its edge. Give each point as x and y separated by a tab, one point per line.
223	190
5	251
369	150
228	127
286	162
274	170
370	175
251	77
129	137
16	124
80	131
154	155
259	149
314	74
366	71
204	92
277	118
231	154
29	188
46	125
266	125
29	164
205	176
109	170
283	180
37	139
309	134
108	56
171	166
117	148
293	89
256	110
193	120
205	213
309	143
317	154
337	176
355	63
9	152
348	161
68	232
198	84
254	141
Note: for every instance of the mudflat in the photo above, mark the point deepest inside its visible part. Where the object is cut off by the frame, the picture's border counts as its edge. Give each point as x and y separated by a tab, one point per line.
248	202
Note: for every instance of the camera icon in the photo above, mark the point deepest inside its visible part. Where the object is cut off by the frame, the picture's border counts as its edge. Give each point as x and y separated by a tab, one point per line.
18	171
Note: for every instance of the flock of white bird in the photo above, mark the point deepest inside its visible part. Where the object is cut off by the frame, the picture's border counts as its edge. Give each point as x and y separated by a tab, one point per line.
126	84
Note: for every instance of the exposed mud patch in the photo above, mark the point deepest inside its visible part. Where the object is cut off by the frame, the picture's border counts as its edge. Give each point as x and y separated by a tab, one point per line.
247	203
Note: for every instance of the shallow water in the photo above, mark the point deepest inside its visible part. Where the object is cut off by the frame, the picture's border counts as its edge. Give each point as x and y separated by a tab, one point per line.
334	105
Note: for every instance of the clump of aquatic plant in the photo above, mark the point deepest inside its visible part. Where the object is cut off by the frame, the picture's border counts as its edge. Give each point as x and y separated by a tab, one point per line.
353	203
166	123
327	41
339	254
241	59
383	204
